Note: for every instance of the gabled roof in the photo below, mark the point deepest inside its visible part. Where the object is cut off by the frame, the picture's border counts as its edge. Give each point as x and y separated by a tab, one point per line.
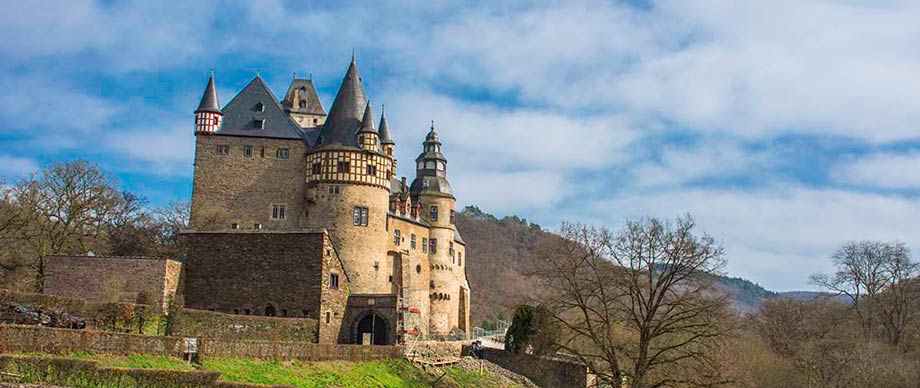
209	102
301	97
345	116
254	103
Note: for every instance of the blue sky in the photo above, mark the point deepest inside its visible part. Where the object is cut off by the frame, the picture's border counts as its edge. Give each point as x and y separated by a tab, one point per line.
785	127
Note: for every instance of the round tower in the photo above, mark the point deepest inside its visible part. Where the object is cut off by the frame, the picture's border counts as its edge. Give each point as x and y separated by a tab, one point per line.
432	192
208	115
348	188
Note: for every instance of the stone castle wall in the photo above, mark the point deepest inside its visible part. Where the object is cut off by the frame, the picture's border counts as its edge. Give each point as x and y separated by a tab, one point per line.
252	272
414	271
361	248
116	279
239	189
447	277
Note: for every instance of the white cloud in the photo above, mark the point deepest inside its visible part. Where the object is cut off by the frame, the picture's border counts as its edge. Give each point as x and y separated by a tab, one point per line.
777	236
711	159
887	170
14	166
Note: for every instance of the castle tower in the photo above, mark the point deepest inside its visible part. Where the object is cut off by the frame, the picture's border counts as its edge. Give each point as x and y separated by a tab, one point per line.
386	140
431	190
348	188
208	116
302	104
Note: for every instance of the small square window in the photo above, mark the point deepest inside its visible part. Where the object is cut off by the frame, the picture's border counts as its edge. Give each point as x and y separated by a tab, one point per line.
281	153
371	170
434	213
258	124
412	241
360	216
278	211
247	151
334	190
317	168
257	226
234	226
223	150
433	245
343	167
424	245
260	107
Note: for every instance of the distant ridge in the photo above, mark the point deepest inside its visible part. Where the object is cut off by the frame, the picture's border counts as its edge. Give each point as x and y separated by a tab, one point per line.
501	252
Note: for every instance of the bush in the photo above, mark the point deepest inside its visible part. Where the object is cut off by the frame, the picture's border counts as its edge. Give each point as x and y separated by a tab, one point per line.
228	384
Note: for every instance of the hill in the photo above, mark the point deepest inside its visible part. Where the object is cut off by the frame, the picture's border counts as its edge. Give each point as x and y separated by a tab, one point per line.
501	253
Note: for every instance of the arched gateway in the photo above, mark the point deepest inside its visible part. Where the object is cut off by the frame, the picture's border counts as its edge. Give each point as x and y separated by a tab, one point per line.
371	329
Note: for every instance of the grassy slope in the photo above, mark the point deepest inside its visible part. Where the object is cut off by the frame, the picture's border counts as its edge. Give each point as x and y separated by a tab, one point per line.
395	373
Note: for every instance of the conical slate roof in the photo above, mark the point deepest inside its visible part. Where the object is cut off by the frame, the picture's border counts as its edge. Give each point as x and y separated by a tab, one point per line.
367	122
384	130
345	116
209	102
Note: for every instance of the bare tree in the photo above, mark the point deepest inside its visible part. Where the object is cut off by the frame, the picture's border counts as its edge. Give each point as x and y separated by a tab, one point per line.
638	306
64	210
876	278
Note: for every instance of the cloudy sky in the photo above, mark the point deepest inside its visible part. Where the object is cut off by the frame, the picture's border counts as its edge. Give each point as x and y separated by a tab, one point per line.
785	127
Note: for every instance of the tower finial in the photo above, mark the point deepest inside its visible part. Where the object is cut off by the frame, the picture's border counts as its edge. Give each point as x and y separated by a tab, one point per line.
432	125
383	110
352	55
295	76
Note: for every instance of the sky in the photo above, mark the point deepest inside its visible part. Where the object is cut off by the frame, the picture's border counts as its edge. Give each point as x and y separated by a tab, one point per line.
786	128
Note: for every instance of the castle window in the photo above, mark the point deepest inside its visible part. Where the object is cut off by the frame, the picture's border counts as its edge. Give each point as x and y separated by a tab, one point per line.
396	237
317	167
315	121
234	226
333	189
328	316
389	175
450	249
424	245
247	151
376	266
460	259
223	149
333	282
257	226
260	107
303	104
281	153
433	245
278	211
343	166
215	120
418	268
262	152
258	124
453	217
371	170
412	241
440	166
429	165
391	278
434	213
247	312
360	216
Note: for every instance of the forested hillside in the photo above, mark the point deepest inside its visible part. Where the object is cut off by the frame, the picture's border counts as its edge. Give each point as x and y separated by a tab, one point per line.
501	255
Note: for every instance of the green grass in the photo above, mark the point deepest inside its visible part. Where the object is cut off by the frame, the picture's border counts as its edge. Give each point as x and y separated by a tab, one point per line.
392	373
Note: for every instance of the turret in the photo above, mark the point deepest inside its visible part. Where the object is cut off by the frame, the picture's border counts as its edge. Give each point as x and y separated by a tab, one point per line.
386	140
208	116
367	135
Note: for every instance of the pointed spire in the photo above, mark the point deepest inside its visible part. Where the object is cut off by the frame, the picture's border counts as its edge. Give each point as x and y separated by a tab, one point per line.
367	122
345	116
383	128
209	102
432	135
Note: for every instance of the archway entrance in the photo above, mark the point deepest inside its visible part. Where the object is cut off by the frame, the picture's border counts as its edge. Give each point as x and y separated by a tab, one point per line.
372	330
270	311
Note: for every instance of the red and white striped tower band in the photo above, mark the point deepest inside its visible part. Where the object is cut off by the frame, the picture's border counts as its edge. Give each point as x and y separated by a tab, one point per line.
208	116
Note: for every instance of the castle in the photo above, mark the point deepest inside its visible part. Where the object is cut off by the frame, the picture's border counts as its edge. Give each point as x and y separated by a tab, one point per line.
300	213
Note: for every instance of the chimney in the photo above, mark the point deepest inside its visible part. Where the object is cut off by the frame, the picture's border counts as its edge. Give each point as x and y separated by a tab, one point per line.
403	180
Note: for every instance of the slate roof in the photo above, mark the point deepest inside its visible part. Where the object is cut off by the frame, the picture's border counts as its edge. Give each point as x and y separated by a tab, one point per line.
242	113
457	237
384	130
209	102
345	116
430	185
307	101
367	121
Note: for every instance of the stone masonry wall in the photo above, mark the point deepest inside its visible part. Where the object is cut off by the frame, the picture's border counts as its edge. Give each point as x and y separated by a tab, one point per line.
238	189
363	249
92	277
542	371
246	272
413	270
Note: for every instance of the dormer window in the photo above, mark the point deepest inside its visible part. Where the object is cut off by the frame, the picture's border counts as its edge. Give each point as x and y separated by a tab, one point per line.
260	107
258	124
303	104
